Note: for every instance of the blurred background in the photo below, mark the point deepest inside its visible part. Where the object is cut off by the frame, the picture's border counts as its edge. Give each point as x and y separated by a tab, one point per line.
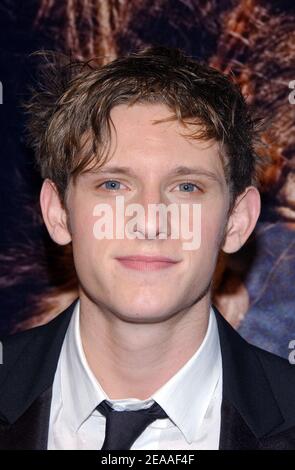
254	41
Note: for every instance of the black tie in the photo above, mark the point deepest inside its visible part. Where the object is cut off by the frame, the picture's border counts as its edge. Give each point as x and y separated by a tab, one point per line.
124	427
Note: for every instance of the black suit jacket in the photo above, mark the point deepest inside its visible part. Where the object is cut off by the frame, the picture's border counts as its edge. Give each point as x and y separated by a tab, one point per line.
258	406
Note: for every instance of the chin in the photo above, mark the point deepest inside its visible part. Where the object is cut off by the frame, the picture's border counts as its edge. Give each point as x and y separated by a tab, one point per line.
145	314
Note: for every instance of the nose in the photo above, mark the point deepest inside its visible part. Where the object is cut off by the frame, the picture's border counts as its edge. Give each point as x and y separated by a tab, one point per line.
151	220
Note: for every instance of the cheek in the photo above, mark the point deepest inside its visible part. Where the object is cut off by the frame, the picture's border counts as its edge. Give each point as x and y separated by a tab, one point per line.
83	238
212	227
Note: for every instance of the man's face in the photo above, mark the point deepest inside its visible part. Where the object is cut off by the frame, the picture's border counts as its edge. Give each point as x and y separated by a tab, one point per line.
150	154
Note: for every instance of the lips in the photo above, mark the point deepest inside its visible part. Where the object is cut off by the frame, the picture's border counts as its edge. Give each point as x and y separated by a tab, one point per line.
146	263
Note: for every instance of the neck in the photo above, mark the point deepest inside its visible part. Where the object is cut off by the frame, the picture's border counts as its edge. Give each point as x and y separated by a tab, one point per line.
133	360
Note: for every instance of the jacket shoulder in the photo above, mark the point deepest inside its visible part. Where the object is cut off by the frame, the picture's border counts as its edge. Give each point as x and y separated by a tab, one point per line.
281	376
275	366
21	344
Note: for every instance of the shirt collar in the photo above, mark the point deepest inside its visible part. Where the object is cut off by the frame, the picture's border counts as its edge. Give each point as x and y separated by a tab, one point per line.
81	392
185	397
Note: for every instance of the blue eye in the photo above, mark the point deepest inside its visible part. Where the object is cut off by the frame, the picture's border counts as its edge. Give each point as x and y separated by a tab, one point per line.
188	187
111	184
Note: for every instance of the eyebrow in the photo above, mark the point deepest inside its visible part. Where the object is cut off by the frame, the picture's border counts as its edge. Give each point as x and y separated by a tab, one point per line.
177	171
185	170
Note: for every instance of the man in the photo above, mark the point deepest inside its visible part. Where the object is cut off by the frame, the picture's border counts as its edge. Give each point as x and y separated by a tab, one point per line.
142	360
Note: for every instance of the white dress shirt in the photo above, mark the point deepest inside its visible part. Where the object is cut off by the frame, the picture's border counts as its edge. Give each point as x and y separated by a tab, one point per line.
191	399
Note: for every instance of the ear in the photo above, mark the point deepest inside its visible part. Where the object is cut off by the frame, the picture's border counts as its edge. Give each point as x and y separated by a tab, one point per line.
242	220
54	214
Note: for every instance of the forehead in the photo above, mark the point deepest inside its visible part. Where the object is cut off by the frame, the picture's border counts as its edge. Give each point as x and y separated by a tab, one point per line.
137	139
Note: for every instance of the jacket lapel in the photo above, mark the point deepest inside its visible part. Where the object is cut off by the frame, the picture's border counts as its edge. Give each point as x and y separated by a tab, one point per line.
235	433
249	408
30	362
30	431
